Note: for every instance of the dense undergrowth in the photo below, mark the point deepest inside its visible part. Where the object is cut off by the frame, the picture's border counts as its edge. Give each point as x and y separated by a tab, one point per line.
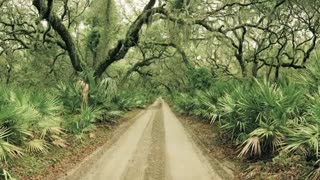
34	121
276	126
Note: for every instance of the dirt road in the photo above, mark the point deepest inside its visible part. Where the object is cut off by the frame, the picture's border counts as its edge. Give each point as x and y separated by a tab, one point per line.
155	147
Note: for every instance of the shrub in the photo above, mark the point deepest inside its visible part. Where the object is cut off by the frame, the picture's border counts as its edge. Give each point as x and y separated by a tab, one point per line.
29	122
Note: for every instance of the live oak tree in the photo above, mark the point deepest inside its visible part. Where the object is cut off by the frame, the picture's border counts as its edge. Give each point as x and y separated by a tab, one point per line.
263	35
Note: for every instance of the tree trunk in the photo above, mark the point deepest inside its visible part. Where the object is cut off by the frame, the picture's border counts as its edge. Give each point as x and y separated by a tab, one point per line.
8	74
94	59
255	69
276	73
115	54
241	63
58	26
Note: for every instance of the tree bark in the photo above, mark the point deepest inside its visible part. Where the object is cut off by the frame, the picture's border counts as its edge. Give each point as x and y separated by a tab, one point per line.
58	26
255	69
131	40
116	53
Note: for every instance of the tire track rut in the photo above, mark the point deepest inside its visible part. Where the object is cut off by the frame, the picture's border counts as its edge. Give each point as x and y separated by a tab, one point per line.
156	158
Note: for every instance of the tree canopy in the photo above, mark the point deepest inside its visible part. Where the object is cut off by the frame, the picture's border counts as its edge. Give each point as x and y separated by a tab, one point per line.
246	38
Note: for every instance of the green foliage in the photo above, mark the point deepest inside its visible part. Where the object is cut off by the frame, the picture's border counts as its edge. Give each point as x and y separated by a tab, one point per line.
278	121
263	119
29	122
70	95
256	115
93	40
101	93
304	136
202	103
310	78
7	150
33	121
184	5
83	123
104	92
199	78
178	4
103	20
133	99
6	175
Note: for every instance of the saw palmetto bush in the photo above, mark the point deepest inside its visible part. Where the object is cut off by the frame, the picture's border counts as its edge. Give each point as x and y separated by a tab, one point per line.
184	103
70	95
264	119
130	99
257	115
233	121
309	78
304	136
200	103
104	92
30	122
6	175
102	95
204	105
8	150
83	122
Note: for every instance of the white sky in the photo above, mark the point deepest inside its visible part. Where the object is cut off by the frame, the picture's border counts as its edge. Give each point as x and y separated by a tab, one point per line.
129	7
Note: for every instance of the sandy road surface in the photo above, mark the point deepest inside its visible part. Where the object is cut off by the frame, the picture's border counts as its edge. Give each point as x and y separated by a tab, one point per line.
155	147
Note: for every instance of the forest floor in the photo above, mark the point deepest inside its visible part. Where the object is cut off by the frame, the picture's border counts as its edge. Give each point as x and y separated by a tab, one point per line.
156	146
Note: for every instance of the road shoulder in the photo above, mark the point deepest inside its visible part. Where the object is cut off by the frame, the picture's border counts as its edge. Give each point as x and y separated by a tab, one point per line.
221	156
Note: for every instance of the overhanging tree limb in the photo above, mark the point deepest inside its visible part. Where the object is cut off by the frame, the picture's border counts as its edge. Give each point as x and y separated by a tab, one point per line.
131	40
179	49
116	53
60	28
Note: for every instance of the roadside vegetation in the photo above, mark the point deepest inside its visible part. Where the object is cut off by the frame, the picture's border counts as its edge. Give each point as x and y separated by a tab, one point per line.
250	67
34	121
274	125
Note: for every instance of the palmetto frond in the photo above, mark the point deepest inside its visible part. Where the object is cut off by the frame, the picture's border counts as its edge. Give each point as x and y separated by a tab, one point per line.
314	175
83	122
7	150
108	89
304	138
37	145
262	111
251	146
6	175
49	126
28	116
47	105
